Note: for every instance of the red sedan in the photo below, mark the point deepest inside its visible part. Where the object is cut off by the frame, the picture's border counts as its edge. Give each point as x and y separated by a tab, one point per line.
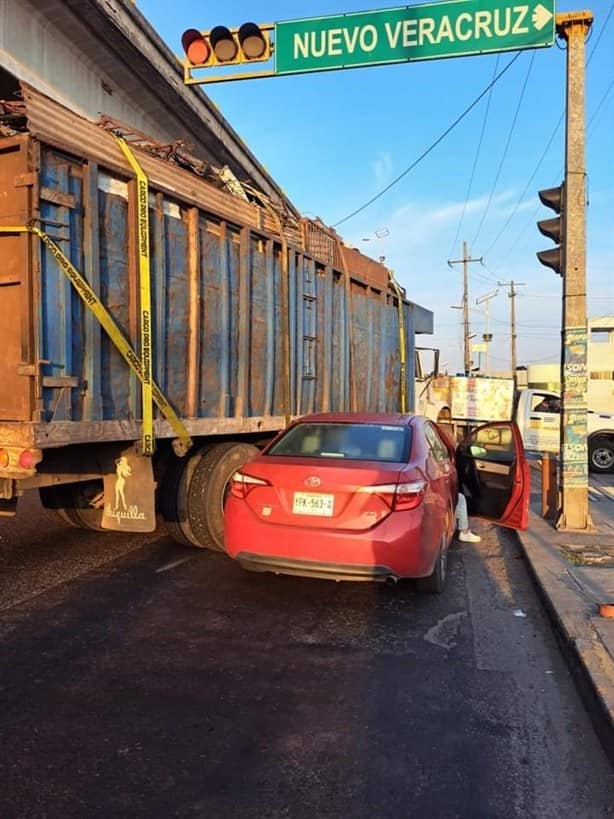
370	496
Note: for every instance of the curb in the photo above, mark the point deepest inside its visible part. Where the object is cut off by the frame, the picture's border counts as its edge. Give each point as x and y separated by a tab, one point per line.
590	662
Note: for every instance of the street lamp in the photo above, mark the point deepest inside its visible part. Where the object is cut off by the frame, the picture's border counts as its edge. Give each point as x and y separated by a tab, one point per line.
382	233
487	336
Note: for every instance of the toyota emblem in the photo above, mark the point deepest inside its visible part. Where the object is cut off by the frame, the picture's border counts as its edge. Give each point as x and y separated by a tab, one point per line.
312	481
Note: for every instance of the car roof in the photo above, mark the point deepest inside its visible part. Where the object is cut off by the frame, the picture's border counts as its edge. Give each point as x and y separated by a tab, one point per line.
390	418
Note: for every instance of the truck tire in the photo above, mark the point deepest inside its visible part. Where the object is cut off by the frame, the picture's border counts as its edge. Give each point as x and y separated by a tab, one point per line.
601	454
210	486
77	504
193	494
56	500
174	498
86	504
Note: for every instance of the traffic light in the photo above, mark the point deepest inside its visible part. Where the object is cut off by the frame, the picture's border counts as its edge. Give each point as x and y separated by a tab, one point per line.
226	46
553	228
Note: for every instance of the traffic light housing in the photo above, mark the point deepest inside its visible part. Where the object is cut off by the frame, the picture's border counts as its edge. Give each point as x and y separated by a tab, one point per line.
222	46
554	229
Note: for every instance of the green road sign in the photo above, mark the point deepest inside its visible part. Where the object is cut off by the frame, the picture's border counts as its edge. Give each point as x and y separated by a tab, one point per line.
426	32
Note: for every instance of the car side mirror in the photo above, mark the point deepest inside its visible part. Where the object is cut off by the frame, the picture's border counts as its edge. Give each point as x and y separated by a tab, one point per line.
478	451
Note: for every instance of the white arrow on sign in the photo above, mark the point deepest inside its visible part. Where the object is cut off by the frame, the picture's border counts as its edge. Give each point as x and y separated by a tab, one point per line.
541	16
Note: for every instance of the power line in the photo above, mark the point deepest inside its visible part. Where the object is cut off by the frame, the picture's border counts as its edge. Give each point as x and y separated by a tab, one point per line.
547	148
603	28
432	146
506	148
475	160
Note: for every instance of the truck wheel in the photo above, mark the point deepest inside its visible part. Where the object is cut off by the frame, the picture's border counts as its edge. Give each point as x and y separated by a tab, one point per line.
174	498
78	504
55	498
210	486
601	454
86	504
193	494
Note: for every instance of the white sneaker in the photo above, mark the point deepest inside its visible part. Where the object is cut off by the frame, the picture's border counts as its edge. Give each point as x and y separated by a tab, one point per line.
469	537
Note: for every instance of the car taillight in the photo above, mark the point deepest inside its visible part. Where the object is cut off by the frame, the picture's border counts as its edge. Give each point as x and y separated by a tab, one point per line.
29	458
4	458
398	496
241	484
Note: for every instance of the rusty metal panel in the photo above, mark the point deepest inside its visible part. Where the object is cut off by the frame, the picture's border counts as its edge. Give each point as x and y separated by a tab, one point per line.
62	309
55	125
257	352
361	345
214	333
16	393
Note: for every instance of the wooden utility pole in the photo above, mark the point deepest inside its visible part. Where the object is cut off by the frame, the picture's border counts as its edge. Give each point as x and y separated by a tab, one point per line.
465	306
512	296
573	27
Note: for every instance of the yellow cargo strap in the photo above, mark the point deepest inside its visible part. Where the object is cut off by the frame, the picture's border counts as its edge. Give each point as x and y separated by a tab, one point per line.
105	319
402	348
142	215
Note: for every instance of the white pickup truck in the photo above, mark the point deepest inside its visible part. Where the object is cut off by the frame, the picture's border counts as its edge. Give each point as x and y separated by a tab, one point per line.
537	415
459	402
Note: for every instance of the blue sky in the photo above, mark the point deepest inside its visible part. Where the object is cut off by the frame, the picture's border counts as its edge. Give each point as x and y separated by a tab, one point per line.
334	139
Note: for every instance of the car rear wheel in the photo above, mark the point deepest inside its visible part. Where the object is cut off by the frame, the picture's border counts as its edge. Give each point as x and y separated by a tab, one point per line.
435	582
194	492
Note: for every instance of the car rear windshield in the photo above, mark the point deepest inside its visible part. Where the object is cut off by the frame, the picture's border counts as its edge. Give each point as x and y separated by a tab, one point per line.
366	442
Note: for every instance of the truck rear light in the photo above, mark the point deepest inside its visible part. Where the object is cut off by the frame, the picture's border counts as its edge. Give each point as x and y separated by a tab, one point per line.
4	458
29	458
242	484
398	496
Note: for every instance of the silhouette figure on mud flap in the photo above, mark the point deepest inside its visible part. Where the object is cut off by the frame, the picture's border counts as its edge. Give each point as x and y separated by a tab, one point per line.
123	470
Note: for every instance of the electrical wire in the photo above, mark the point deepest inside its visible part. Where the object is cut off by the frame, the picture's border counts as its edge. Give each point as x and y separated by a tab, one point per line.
603	28
546	150
505	149
526	187
600	104
475	162
432	146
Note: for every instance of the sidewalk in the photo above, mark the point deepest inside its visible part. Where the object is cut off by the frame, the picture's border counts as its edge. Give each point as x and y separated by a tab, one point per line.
575	572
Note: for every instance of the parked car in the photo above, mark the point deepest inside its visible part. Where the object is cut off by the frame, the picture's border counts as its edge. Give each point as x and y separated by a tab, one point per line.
370	496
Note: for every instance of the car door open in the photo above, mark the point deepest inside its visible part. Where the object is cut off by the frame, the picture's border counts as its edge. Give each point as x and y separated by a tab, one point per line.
494	476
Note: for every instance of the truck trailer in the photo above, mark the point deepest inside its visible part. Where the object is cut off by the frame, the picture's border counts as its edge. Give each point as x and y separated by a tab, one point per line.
134	275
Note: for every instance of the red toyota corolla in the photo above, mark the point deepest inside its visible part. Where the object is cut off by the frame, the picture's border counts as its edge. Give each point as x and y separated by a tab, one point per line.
366	496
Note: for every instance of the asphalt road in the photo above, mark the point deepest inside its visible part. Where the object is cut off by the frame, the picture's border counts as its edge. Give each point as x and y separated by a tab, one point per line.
142	679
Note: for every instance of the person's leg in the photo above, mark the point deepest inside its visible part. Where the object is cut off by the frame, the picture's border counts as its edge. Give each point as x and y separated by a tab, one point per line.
462	519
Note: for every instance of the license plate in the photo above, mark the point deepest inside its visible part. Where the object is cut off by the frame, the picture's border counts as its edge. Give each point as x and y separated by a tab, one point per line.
313	503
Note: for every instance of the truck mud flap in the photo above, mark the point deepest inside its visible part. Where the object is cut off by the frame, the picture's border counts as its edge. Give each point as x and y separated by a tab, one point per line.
129	494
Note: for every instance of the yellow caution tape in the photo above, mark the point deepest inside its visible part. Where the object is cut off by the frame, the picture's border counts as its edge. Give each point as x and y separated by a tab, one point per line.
144	293
115	334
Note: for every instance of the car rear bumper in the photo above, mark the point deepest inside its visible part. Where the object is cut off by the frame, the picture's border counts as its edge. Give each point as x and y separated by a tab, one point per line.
396	548
312	568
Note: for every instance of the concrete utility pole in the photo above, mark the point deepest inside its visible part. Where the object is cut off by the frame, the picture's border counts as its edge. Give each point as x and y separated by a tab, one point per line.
573	27
465	305
512	296
486	338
